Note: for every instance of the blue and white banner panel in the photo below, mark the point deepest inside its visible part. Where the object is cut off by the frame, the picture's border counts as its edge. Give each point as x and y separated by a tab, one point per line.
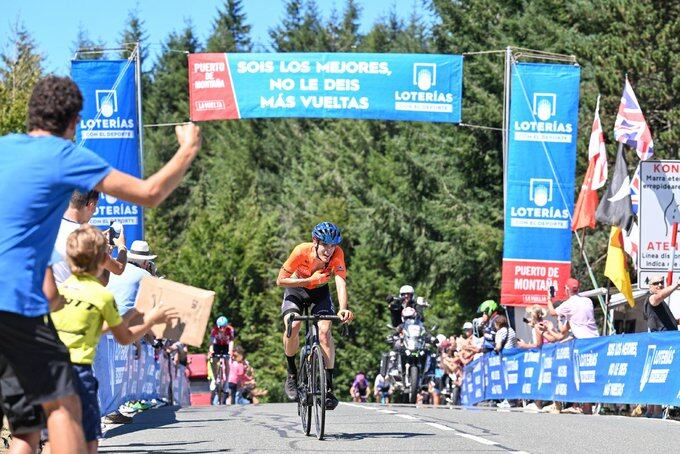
626	369
109	127
539	186
411	87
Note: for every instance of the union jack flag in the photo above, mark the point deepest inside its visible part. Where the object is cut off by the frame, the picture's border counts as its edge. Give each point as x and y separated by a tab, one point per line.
630	127
635	190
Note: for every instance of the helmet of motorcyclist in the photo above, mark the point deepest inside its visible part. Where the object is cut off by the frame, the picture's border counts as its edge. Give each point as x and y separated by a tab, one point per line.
222	321
488	307
408	314
327	232
440	338
406	289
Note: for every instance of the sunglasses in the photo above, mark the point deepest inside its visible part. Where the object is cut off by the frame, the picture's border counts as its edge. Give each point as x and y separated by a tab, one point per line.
657	283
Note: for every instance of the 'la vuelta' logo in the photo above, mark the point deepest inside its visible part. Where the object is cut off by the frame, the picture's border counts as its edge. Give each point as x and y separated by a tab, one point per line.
542	127
107	124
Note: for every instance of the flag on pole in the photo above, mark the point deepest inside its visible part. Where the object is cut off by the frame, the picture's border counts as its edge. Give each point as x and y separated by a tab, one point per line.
630	126
596	177
615	207
635	190
615	268
631	242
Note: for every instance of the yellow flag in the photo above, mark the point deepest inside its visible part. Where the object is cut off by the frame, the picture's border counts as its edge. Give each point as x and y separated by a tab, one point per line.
615	268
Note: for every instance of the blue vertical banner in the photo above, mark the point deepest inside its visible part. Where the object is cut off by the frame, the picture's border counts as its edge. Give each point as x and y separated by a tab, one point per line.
109	127
539	195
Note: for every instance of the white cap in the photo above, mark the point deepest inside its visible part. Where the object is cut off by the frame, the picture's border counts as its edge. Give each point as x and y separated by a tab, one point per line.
406	289
467	325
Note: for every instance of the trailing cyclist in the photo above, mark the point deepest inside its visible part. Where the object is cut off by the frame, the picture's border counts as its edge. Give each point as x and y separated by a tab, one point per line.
305	275
222	344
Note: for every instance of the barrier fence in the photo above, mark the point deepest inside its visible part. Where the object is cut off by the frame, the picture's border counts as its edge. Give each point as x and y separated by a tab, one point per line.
627	368
125	374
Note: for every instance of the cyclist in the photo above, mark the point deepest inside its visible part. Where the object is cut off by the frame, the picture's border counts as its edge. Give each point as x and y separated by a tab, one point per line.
305	276
221	343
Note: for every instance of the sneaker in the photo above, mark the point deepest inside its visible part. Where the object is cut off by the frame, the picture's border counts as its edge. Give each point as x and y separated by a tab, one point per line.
117	418
127	409
532	406
331	401
573	411
504	404
290	387
549	408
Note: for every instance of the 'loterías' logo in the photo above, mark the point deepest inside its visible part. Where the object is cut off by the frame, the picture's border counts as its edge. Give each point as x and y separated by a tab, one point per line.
542	126
107	102
110	122
425	75
423	96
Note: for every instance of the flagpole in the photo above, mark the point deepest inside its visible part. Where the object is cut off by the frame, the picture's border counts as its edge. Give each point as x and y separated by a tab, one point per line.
593	280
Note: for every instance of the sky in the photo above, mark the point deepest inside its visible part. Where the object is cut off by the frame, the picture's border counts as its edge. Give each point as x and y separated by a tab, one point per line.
54	24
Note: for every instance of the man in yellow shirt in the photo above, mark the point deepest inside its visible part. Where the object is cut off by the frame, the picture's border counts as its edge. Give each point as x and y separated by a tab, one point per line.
79	324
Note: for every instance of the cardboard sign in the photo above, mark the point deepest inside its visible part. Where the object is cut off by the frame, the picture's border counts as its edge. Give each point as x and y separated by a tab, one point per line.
193	305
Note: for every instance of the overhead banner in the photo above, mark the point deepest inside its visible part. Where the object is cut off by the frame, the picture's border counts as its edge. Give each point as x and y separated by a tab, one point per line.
539	194
109	127
659	210
625	369
410	87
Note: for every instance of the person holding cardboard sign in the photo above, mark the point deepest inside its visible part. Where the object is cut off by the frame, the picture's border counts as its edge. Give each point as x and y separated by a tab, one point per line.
305	276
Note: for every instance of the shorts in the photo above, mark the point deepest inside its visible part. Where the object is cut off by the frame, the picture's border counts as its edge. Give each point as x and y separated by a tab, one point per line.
295	299
31	351
23	418
87	391
220	350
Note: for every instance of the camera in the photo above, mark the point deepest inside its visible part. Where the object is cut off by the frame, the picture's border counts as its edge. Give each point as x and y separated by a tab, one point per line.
526	320
552	291
394	302
115	228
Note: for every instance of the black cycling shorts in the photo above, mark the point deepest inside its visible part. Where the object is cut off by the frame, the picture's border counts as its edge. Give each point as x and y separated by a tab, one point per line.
35	368
295	299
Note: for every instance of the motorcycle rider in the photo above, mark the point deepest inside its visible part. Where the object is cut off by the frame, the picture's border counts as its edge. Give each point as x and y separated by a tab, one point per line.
398	303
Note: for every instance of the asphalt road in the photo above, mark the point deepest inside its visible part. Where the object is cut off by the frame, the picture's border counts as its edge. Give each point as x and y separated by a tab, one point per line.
373	428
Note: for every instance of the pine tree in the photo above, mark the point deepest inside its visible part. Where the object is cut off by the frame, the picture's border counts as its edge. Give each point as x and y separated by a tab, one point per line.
89	50
20	69
230	32
134	33
301	29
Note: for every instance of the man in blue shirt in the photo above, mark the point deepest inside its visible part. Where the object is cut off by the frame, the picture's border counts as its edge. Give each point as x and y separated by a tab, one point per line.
38	173
126	286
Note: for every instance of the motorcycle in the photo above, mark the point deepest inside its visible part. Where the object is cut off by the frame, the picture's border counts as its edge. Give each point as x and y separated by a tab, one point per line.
412	359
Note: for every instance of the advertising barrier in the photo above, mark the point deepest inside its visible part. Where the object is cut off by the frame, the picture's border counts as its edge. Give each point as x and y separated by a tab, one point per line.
626	369
413	87
123	375
540	172
109	127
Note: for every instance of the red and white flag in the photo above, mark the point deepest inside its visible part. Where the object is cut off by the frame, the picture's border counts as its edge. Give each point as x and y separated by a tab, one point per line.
596	177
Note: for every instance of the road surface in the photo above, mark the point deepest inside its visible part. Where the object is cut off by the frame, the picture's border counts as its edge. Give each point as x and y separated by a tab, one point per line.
370	428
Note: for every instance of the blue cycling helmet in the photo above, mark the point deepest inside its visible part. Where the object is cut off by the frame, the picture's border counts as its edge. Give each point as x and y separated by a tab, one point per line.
327	232
222	321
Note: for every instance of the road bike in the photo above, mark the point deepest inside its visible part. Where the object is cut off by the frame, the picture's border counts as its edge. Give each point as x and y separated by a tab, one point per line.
311	382
221	382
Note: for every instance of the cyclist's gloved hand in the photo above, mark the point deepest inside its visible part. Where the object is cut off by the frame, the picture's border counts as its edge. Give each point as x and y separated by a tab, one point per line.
319	278
346	315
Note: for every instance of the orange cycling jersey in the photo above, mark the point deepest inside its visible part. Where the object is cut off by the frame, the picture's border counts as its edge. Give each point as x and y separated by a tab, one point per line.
302	263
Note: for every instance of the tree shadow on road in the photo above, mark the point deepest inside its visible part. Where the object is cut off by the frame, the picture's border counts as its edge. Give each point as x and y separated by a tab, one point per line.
158	448
365	435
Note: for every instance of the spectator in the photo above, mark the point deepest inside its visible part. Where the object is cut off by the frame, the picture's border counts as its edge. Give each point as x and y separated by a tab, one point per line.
239	373
79	324
81	208
579	318
126	286
542	330
360	388
506	338
659	318
38	173
489	310
471	346
577	311
382	389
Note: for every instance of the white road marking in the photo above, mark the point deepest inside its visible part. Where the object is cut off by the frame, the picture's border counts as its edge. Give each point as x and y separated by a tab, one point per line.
441	426
481	440
409	417
387	412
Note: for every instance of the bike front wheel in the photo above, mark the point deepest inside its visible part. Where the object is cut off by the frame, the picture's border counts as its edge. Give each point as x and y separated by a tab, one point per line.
319	391
304	386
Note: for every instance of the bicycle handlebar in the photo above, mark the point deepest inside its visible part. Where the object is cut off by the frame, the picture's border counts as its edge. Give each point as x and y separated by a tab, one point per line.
302	318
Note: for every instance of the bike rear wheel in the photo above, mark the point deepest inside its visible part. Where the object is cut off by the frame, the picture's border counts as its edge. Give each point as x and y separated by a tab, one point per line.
304	397
413	378
319	391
